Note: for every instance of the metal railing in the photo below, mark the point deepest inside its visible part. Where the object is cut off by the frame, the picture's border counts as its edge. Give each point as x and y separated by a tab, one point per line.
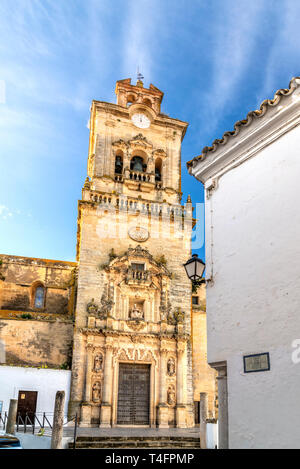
40	423
3	419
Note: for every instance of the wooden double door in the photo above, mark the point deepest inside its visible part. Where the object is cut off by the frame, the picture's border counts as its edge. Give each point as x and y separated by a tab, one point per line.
133	394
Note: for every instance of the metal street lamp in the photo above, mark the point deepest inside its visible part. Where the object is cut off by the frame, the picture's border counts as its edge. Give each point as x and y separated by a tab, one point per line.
194	268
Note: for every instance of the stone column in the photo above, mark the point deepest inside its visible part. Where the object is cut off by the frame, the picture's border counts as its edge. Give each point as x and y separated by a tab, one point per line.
12	416
223	405
58	421
163	410
203	417
106	407
86	409
180	407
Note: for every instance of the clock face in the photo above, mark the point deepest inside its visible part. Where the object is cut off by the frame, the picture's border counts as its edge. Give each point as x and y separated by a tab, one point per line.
140	120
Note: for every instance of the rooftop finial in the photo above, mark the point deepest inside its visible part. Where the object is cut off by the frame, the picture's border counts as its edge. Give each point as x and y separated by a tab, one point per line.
139	78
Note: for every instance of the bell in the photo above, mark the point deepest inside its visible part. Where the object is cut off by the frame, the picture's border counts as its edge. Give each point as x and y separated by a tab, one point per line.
118	165
157	175
137	164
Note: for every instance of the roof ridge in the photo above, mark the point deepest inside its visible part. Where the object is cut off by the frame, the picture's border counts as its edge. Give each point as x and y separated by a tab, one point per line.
248	120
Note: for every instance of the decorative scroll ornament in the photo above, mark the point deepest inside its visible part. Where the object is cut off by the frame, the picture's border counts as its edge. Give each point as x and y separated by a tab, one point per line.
92	307
138	233
179	315
176	317
135	324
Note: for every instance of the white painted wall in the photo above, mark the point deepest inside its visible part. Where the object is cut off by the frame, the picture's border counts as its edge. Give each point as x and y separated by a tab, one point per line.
45	381
253	306
212	435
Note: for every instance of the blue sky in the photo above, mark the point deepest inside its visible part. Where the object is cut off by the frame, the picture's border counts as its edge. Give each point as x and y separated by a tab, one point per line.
214	59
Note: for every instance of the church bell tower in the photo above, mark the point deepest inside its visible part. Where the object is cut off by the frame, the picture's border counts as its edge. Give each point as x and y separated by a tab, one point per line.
132	362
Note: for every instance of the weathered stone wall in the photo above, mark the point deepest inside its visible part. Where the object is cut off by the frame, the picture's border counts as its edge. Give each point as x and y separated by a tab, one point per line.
20	275
32	336
37	343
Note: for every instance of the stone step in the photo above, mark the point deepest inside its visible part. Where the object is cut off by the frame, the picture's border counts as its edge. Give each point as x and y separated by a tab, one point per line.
136	442
137	438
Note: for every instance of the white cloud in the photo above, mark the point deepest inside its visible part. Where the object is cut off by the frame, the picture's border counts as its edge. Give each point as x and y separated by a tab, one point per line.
235	32
5	213
141	25
285	51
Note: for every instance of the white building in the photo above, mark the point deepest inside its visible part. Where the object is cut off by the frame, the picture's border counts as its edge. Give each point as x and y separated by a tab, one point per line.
16	382
252	185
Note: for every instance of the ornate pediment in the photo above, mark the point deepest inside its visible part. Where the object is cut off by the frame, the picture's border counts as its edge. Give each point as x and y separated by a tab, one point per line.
159	153
120	144
140	142
139	252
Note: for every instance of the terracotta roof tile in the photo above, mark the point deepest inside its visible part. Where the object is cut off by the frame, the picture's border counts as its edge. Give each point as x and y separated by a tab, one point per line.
265	105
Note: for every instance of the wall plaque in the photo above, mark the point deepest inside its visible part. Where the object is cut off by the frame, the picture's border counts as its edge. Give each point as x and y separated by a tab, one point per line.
256	362
138	233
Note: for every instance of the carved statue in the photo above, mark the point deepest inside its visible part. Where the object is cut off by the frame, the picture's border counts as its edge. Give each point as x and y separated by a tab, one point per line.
96	391
98	362
171	367
171	399
136	313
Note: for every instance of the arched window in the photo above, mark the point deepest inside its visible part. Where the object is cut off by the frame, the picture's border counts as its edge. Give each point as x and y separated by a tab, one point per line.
119	164
39	297
158	164
130	99
147	102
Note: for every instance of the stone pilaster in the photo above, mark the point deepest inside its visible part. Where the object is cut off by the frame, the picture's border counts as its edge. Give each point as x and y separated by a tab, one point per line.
106	407
85	416
163	410
181	407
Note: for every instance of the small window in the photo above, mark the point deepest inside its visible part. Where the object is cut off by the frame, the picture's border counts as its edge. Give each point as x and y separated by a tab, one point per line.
195	300
139	267
39	297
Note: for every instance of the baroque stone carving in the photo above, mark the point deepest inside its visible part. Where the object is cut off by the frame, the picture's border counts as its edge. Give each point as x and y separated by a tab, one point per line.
176	317
171	367
104	310
135	325
92	307
165	309
96	392
138	233
106	306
